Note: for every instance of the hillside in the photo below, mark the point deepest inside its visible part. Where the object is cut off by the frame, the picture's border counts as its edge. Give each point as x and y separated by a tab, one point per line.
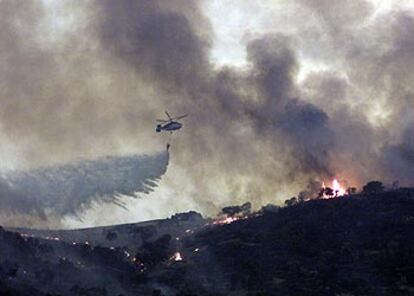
359	245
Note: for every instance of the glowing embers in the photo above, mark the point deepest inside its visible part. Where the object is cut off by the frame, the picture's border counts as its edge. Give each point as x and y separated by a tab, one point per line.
226	220
335	190
176	257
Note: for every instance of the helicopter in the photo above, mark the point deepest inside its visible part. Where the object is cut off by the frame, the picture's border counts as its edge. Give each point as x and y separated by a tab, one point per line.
169	125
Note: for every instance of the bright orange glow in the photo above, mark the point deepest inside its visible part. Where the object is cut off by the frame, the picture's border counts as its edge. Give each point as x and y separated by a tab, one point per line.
226	220
336	187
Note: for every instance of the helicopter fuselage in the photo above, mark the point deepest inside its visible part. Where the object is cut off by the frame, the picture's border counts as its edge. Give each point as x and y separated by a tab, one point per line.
169	126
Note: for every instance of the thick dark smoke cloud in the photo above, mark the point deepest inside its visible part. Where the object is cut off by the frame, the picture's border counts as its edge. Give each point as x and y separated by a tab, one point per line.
63	190
155	39
301	125
265	101
94	86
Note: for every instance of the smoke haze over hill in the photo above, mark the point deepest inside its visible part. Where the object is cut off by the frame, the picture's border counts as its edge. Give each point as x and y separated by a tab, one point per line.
329	96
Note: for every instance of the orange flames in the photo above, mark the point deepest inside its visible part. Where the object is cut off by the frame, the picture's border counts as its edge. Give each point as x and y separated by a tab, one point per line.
337	189
226	220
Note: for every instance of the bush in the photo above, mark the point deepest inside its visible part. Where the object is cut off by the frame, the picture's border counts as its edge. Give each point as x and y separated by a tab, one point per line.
244	209
373	187
291	202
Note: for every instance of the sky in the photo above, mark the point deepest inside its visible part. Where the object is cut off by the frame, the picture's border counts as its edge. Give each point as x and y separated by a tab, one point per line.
248	17
281	96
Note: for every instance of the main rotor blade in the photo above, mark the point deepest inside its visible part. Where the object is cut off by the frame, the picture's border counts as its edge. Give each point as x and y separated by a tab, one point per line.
169	117
179	117
160	120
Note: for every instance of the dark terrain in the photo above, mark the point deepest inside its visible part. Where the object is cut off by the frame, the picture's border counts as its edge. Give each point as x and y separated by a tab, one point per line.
352	245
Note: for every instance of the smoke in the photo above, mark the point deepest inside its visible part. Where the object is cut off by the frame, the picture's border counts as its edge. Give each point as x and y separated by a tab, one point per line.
329	96
67	190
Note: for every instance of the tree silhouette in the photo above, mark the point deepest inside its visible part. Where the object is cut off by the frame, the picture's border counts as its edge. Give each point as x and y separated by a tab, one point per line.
373	187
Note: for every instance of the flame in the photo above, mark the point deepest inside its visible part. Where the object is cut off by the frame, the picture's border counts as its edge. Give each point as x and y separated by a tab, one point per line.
226	220
177	257
336	187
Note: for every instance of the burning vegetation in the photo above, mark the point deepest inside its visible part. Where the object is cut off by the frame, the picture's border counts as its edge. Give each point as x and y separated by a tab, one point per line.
177	257
335	190
233	213
304	248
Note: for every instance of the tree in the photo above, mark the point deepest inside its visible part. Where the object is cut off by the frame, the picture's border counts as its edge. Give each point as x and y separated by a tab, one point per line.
244	209
269	208
290	202
351	190
329	192
326	192
373	187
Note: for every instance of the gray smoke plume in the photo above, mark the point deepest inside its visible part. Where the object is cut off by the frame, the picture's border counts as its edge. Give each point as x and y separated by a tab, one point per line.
86	79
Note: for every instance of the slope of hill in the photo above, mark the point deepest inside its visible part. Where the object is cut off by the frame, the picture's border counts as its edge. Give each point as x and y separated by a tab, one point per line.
360	245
